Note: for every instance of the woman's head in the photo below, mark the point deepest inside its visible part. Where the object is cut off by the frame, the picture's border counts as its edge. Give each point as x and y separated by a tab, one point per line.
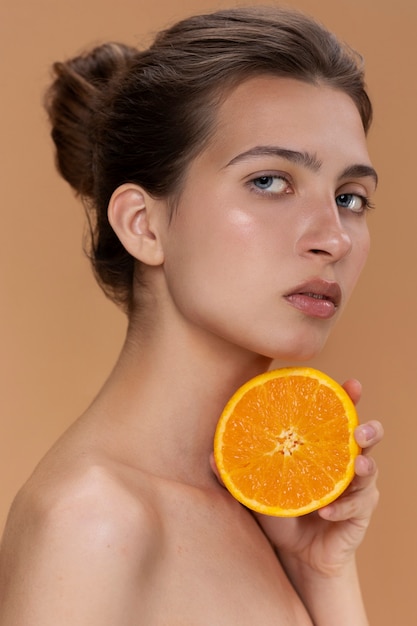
123	115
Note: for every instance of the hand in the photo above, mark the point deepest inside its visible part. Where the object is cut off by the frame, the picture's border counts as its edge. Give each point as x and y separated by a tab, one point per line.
326	540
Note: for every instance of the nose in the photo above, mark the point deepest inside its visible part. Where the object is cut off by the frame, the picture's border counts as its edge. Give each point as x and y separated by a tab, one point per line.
324	234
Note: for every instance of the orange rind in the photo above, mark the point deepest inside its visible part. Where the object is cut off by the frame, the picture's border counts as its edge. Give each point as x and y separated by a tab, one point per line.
284	444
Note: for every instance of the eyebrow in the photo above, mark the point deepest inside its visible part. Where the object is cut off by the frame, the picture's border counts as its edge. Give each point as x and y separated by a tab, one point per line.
360	171
306	159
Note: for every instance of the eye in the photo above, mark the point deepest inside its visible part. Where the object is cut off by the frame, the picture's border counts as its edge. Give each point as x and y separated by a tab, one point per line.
353	202
270	184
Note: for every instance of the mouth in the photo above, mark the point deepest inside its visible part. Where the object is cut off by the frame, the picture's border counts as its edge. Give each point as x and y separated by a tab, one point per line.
316	298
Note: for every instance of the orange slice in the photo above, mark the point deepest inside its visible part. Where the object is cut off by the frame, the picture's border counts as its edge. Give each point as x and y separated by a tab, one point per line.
284	444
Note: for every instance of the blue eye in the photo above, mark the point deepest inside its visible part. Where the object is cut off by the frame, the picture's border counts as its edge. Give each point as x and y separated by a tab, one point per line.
270	184
353	202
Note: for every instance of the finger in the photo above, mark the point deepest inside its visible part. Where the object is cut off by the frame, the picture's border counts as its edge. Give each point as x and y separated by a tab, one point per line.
369	434
365	467
360	498
366	474
214	469
354	389
355	506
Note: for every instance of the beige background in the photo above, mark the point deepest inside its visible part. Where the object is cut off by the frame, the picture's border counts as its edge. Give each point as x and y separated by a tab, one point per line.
59	335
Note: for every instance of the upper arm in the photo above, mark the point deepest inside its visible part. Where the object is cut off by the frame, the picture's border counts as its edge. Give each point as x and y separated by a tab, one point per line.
81	558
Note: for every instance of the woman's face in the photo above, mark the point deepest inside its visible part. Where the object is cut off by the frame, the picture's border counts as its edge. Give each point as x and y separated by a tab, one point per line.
270	233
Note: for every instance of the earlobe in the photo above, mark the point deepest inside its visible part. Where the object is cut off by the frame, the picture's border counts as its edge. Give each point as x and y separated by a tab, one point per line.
131	213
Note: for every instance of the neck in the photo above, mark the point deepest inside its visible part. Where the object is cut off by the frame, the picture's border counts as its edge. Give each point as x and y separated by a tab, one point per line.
166	393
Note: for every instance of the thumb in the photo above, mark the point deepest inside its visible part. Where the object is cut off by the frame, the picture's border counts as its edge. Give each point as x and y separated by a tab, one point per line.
214	469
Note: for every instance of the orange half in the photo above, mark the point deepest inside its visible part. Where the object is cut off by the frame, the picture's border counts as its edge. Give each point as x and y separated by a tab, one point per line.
284	443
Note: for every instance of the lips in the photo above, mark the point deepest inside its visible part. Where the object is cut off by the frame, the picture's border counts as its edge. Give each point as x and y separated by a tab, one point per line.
316	298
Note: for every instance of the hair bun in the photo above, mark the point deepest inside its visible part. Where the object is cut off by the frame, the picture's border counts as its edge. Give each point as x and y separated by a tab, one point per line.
73	101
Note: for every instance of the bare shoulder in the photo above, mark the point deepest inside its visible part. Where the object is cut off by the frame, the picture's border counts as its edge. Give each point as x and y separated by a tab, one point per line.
92	500
86	524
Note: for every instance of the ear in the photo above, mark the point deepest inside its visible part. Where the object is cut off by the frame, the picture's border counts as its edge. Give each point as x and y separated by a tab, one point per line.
135	216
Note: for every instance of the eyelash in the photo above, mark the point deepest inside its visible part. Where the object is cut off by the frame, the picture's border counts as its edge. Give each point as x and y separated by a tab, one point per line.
366	204
253	181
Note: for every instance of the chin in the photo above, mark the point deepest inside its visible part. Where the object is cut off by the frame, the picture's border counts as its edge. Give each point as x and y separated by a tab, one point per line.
298	352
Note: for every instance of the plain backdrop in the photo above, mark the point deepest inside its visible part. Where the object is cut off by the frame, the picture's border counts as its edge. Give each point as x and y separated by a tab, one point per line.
60	336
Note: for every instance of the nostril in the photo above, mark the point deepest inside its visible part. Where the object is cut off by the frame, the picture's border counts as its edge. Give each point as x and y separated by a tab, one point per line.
325	237
318	251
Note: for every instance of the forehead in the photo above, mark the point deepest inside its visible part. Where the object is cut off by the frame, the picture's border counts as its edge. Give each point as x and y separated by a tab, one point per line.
283	111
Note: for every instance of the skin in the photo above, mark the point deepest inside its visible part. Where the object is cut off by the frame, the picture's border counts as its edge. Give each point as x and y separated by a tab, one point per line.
124	521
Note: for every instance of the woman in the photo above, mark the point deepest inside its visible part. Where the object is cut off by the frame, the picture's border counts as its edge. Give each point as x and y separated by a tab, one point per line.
227	179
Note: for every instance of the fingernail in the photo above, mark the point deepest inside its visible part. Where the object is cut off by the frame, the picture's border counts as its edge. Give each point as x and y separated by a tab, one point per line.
368	432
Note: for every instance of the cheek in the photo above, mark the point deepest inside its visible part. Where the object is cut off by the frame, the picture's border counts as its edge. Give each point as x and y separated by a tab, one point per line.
364	247
235	238
358	257
216	235
212	259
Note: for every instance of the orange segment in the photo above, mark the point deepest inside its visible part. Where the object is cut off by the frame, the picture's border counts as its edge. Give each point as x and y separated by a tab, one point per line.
284	444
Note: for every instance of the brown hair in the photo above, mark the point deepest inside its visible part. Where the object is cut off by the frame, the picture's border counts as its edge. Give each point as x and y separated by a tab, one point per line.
121	115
